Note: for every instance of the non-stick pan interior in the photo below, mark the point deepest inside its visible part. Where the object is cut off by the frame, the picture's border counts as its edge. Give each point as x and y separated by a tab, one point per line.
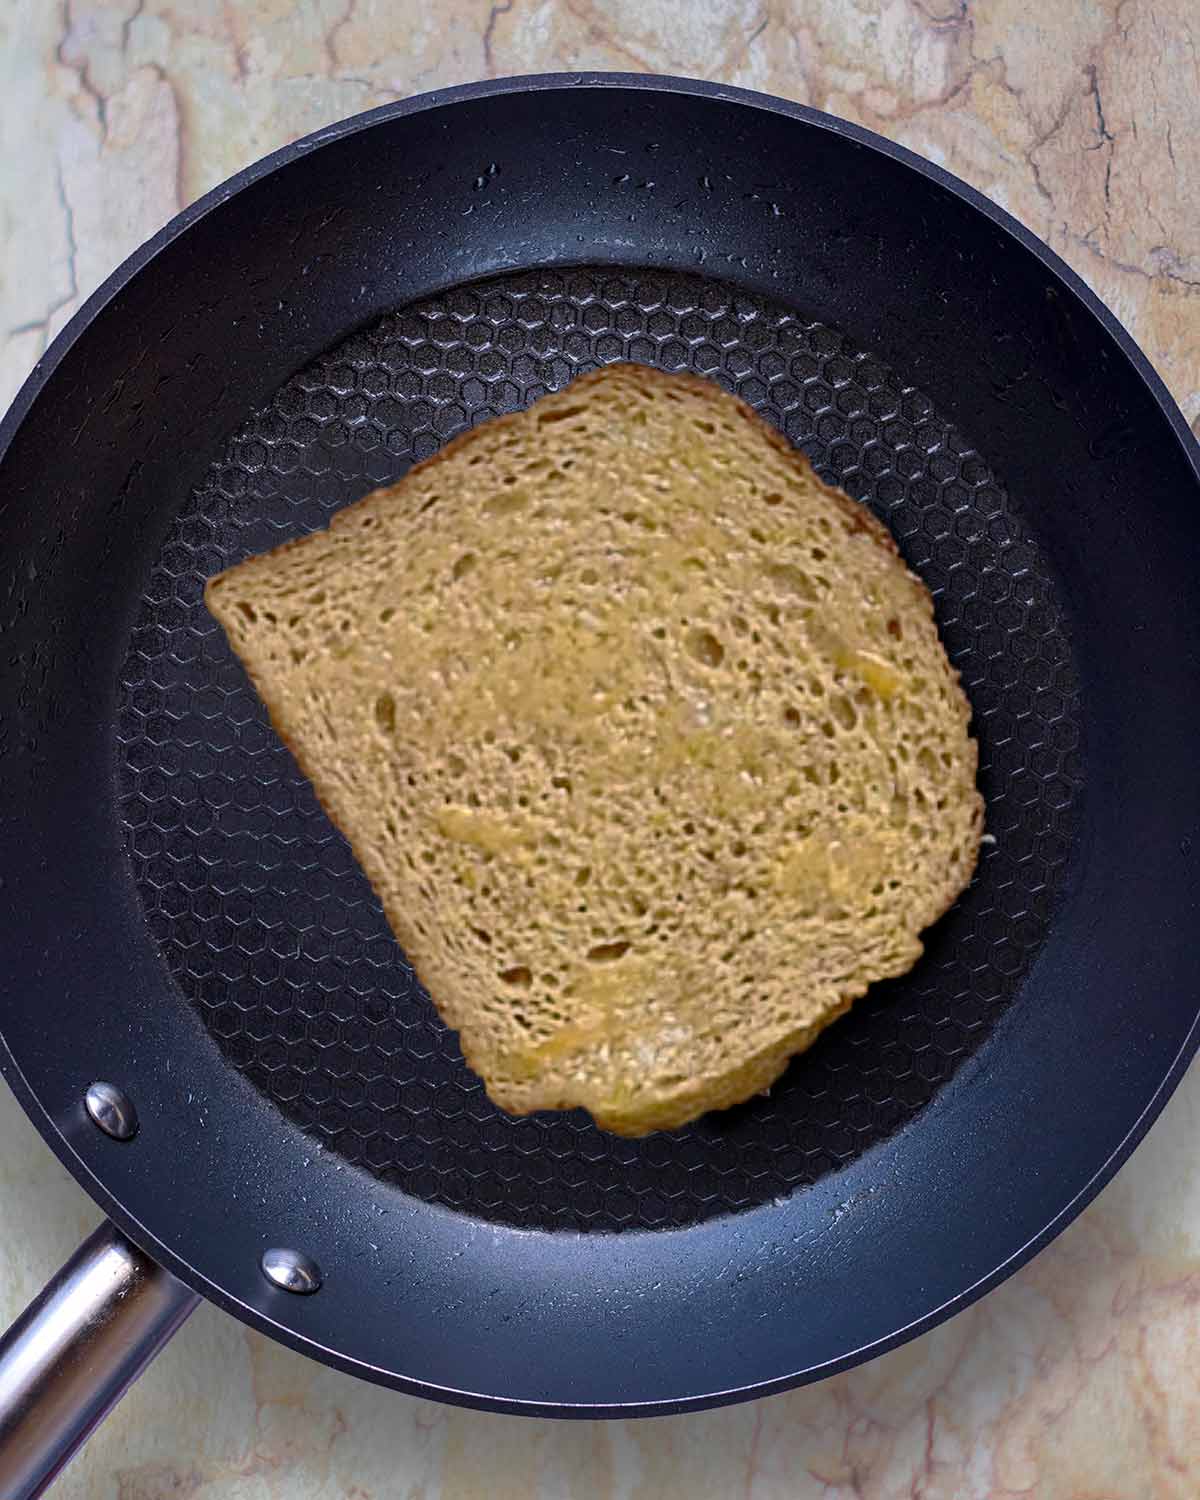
183	921
270	929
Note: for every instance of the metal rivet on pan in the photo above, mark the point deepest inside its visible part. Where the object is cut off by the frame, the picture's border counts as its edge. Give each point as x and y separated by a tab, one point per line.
292	1271
112	1110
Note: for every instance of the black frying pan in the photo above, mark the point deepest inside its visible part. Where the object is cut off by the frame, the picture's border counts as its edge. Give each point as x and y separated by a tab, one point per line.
184	925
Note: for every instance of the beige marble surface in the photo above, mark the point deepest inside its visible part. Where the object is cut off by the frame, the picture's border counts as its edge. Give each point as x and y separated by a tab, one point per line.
1080	1378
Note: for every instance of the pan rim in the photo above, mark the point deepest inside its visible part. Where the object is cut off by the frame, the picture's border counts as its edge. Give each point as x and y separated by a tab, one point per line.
550	82
667	83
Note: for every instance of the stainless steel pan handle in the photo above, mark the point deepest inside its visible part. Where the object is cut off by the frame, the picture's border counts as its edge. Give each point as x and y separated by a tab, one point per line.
76	1350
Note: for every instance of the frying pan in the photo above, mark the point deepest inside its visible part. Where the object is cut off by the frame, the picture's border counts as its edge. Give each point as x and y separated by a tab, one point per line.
201	1007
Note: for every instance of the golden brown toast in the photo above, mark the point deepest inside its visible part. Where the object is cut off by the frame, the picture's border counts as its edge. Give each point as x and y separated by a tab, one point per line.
644	736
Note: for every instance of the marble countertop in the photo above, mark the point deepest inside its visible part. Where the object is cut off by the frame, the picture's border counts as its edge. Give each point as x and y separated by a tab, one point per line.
1079	1379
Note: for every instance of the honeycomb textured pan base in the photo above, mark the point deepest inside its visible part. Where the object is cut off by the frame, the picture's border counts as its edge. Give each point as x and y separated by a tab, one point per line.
644	736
